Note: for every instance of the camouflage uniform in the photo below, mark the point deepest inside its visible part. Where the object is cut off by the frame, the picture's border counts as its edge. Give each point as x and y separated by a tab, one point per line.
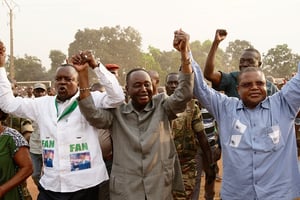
186	145
212	136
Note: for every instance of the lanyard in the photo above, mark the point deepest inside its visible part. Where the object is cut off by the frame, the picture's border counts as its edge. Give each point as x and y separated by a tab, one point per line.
67	110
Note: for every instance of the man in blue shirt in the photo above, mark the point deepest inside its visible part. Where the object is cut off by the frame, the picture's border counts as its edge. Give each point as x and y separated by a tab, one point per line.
257	135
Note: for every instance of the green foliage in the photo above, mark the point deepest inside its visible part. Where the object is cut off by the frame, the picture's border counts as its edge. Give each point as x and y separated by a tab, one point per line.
29	68
117	45
233	53
280	62
169	62
122	46
57	58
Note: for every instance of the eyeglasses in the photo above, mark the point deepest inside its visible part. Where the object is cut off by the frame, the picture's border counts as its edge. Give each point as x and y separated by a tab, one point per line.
252	84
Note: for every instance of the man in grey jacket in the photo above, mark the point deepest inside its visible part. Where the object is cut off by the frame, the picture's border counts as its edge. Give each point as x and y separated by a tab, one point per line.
144	151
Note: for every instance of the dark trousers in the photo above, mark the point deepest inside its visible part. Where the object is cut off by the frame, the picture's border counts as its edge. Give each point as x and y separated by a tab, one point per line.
209	188
104	186
84	194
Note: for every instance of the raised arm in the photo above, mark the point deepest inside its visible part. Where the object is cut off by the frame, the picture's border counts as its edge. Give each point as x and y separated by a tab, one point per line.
176	103
181	43
113	95
21	107
209	69
97	117
198	128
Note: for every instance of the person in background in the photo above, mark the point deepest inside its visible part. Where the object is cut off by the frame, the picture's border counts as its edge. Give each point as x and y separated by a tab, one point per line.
26	131
257	135
29	92
51	91
144	152
211	131
222	81
97	87
189	136
161	89
155	80
65	134
113	68
15	162
39	90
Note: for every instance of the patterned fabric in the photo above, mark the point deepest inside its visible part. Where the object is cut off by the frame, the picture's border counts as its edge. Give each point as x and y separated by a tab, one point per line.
25	191
187	145
10	142
209	123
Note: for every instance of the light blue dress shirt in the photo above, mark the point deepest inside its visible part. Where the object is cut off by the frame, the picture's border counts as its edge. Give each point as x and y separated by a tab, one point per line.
258	145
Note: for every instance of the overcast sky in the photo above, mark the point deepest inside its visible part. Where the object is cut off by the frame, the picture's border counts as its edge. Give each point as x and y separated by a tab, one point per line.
43	25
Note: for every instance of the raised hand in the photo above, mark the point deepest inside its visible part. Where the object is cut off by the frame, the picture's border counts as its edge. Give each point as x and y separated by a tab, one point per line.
181	41
220	35
79	62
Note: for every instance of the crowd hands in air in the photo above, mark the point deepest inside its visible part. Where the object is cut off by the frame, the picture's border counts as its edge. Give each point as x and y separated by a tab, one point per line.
253	124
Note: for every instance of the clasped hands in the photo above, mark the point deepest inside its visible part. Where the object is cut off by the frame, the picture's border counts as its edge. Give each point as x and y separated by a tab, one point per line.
83	60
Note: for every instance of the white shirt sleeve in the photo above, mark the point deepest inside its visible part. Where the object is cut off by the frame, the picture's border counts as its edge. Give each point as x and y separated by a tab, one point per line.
113	95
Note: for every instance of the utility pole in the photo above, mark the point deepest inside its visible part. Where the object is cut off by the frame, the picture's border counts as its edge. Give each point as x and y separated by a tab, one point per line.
11	6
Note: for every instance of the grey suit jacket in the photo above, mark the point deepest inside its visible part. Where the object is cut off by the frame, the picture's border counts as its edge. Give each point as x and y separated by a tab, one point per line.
144	154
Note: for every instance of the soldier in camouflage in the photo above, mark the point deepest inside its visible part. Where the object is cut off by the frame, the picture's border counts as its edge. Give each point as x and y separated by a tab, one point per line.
189	136
211	131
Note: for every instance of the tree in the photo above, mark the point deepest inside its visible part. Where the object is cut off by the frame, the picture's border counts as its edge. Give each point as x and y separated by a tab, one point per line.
57	58
280	62
29	68
233	53
151	59
168	61
117	45
200	52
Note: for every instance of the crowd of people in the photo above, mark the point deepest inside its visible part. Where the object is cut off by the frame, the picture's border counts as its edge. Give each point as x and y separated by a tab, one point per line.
83	141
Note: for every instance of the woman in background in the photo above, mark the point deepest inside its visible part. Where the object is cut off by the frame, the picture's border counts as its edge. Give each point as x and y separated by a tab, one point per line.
15	161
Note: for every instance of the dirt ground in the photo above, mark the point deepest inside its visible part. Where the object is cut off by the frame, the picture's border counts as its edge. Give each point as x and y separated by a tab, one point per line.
34	191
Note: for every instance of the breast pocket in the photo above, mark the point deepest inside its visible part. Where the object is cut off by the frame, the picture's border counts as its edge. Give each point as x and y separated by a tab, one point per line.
237	134
272	138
